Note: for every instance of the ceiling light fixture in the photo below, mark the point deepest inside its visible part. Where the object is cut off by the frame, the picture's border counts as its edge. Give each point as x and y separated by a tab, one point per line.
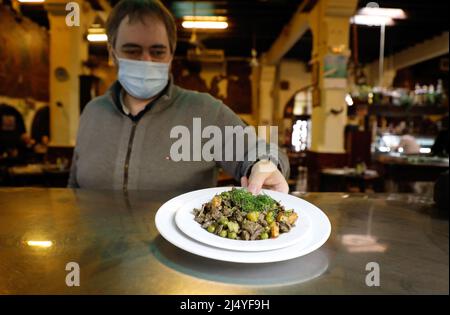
373	15
205	25
376	16
43	244
31	1
370	20
205	22
97	34
97	38
386	12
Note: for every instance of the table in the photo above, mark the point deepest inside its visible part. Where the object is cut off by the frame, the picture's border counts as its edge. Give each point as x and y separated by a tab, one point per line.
338	179
113	239
412	168
38	174
402	171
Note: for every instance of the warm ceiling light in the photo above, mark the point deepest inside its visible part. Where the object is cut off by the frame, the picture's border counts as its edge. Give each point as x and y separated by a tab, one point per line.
31	1
374	16
205	18
43	244
371	20
205	22
97	34
385	12
205	25
348	99
97	37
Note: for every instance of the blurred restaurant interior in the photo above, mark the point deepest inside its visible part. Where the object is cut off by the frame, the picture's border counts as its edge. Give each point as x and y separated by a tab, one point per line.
360	98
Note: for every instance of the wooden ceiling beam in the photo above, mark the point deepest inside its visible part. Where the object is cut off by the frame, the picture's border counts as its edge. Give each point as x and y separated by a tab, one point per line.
291	33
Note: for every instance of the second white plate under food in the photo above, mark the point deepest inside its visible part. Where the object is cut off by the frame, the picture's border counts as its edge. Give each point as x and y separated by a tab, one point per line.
184	219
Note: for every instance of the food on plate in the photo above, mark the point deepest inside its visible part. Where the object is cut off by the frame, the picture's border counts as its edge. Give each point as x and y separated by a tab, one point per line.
238	214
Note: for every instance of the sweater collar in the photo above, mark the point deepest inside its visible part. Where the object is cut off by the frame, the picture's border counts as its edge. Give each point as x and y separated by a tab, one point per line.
160	103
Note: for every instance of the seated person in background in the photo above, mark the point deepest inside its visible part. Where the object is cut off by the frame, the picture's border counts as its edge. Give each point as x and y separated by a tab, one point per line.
441	192
40	127
408	143
440	146
13	138
40	131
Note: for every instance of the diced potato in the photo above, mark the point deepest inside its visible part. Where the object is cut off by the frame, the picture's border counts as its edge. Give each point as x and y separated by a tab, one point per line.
281	217
274	230
292	218
216	202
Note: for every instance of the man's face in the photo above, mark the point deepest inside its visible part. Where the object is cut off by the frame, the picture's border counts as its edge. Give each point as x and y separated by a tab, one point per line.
145	40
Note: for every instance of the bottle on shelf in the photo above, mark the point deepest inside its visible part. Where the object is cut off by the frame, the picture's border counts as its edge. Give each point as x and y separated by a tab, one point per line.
424	95
439	88
431	97
439	93
417	95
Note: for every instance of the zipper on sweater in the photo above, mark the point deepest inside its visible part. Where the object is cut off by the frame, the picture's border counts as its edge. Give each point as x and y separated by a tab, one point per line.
127	158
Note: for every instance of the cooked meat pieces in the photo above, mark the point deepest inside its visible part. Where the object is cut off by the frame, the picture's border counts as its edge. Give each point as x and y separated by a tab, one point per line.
237	214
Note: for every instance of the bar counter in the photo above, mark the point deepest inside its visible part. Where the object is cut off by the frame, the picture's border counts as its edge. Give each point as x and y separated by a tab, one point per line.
113	239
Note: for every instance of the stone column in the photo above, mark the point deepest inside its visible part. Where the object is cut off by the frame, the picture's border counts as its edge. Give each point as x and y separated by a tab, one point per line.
68	50
330	27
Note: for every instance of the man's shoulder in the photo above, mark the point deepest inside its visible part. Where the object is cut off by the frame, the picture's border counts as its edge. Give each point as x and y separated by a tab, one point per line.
195	99
100	106
100	103
205	105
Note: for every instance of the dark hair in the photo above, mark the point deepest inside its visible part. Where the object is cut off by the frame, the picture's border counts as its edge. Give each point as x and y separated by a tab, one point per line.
139	9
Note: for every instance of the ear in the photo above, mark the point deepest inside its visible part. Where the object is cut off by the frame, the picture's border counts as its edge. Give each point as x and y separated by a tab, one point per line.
112	55
171	58
170	63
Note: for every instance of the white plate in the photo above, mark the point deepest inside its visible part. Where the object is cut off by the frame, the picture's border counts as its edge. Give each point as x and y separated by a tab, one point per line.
184	219
165	223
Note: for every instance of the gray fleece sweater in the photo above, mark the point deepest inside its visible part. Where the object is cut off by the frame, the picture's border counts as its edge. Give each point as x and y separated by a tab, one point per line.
115	152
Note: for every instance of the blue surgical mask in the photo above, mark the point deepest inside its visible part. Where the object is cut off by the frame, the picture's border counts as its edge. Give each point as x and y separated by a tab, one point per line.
143	79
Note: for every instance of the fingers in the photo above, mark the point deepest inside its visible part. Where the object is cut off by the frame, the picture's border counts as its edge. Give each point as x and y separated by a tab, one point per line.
273	181
281	186
244	181
256	181
276	182
265	174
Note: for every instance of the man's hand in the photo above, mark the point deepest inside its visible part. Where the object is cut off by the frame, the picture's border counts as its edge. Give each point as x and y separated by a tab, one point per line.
265	174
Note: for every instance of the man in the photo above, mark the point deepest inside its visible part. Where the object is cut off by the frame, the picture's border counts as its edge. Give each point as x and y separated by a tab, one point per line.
13	137
440	146
124	140
408	143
